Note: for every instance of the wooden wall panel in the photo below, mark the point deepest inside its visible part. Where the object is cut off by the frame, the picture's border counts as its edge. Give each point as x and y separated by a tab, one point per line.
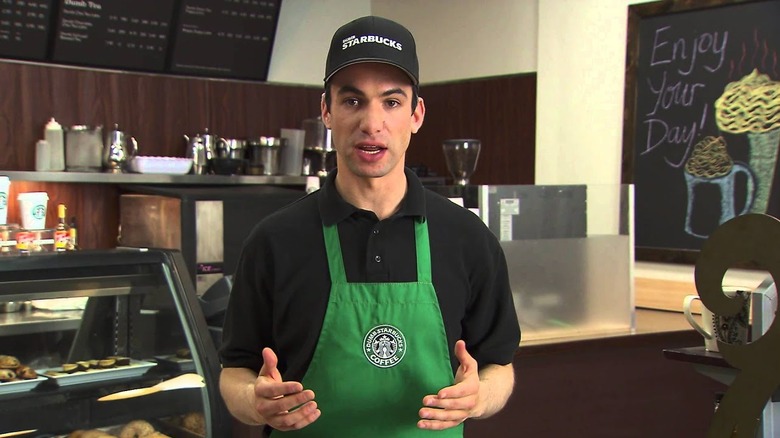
157	110
499	111
242	109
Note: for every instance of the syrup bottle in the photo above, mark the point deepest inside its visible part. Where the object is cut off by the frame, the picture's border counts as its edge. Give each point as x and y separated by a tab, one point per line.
61	232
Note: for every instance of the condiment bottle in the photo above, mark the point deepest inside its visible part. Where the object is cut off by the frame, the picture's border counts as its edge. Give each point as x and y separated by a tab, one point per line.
42	156
61	232
73	235
54	135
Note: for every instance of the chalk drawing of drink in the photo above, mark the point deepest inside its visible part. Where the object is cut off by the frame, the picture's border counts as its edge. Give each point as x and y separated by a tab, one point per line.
751	106
710	164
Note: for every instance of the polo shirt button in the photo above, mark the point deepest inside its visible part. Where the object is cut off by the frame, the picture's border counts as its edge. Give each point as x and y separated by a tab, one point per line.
375	232
378	259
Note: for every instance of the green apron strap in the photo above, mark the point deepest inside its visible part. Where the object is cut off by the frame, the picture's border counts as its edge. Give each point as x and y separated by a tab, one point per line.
423	251
333	248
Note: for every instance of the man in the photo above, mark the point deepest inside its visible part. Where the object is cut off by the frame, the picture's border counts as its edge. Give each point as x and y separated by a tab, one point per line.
372	307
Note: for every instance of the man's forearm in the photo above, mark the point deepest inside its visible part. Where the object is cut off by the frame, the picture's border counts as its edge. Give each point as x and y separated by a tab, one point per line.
237	388
496	384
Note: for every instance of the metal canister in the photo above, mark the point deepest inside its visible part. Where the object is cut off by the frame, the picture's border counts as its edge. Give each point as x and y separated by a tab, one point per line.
84	148
264	155
234	148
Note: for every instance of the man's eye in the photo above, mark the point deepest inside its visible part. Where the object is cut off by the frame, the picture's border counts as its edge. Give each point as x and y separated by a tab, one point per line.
351	101
393	103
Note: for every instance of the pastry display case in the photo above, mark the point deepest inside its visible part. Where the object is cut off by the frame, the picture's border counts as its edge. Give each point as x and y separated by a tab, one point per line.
110	340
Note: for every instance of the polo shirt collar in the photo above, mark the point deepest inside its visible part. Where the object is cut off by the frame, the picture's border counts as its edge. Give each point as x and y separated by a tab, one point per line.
334	209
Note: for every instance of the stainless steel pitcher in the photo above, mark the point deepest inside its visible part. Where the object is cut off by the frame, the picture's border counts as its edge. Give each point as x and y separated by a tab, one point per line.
118	150
201	148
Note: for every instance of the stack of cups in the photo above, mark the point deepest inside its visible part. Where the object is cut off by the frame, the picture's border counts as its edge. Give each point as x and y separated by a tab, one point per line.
5	187
33	208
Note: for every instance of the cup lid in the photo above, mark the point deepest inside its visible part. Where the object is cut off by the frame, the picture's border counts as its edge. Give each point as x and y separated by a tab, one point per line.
31	195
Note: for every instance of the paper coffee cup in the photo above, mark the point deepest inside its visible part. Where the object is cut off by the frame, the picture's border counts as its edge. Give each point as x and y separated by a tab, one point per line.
32	207
5	187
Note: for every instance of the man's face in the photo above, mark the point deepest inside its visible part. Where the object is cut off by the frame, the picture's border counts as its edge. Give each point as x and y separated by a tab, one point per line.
371	119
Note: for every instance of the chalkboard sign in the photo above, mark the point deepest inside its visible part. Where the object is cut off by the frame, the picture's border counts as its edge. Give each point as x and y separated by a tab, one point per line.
702	126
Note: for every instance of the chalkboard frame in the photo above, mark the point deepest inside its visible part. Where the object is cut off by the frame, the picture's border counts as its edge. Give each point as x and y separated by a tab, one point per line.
636	13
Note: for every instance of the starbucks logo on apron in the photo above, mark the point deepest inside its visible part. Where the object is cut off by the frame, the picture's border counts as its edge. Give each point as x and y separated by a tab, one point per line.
384	346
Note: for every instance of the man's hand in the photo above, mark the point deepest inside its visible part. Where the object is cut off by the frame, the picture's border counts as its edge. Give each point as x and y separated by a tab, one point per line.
264	398
283	405
454	404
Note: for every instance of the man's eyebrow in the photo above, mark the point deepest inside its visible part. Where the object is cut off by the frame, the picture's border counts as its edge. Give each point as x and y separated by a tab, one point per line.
349	89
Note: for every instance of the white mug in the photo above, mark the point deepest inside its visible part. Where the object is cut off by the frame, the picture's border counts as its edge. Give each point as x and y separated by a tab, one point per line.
731	329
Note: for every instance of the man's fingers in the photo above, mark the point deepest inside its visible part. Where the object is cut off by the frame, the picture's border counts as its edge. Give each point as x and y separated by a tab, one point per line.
463	356
276	390
439	424
269	365
296	419
285	404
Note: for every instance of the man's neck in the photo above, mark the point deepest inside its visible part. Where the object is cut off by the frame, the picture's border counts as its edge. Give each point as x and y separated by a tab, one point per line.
383	195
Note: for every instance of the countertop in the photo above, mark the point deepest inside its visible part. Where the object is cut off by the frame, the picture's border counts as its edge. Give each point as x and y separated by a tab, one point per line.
648	321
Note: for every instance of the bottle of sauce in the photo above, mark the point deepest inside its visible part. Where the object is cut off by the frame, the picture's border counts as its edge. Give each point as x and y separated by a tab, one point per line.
54	135
73	235
61	232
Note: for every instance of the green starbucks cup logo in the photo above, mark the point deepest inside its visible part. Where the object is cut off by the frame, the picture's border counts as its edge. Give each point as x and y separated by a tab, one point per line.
3	201
39	212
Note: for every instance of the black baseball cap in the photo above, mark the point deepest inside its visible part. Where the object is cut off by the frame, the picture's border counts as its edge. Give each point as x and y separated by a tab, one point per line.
373	39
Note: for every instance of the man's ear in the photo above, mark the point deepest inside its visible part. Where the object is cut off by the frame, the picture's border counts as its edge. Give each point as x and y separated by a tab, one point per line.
418	115
324	111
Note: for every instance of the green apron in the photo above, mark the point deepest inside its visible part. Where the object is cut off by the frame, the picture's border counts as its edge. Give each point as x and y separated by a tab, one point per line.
382	348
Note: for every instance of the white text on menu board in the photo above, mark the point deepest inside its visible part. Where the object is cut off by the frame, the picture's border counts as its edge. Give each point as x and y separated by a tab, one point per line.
673	62
83	4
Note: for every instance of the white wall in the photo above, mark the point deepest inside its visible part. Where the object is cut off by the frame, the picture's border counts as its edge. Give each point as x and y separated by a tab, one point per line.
303	35
579	111
456	39
460	39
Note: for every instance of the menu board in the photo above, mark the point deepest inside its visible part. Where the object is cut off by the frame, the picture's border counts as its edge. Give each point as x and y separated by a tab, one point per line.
24	28
230	38
113	33
213	38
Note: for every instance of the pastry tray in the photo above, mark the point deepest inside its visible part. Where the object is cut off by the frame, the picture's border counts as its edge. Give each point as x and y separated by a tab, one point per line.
20	385
135	369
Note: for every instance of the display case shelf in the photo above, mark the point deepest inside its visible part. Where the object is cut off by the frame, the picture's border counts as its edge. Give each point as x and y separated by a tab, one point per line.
138	304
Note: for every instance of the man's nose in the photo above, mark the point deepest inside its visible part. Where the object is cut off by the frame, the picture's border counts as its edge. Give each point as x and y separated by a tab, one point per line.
373	118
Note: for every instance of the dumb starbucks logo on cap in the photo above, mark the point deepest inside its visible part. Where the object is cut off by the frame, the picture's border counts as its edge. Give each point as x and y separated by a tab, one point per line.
384	346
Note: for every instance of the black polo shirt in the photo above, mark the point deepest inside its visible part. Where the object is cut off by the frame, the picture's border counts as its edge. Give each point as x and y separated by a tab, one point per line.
282	283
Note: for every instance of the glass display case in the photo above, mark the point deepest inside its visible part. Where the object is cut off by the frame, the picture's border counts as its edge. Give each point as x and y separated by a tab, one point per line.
78	326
